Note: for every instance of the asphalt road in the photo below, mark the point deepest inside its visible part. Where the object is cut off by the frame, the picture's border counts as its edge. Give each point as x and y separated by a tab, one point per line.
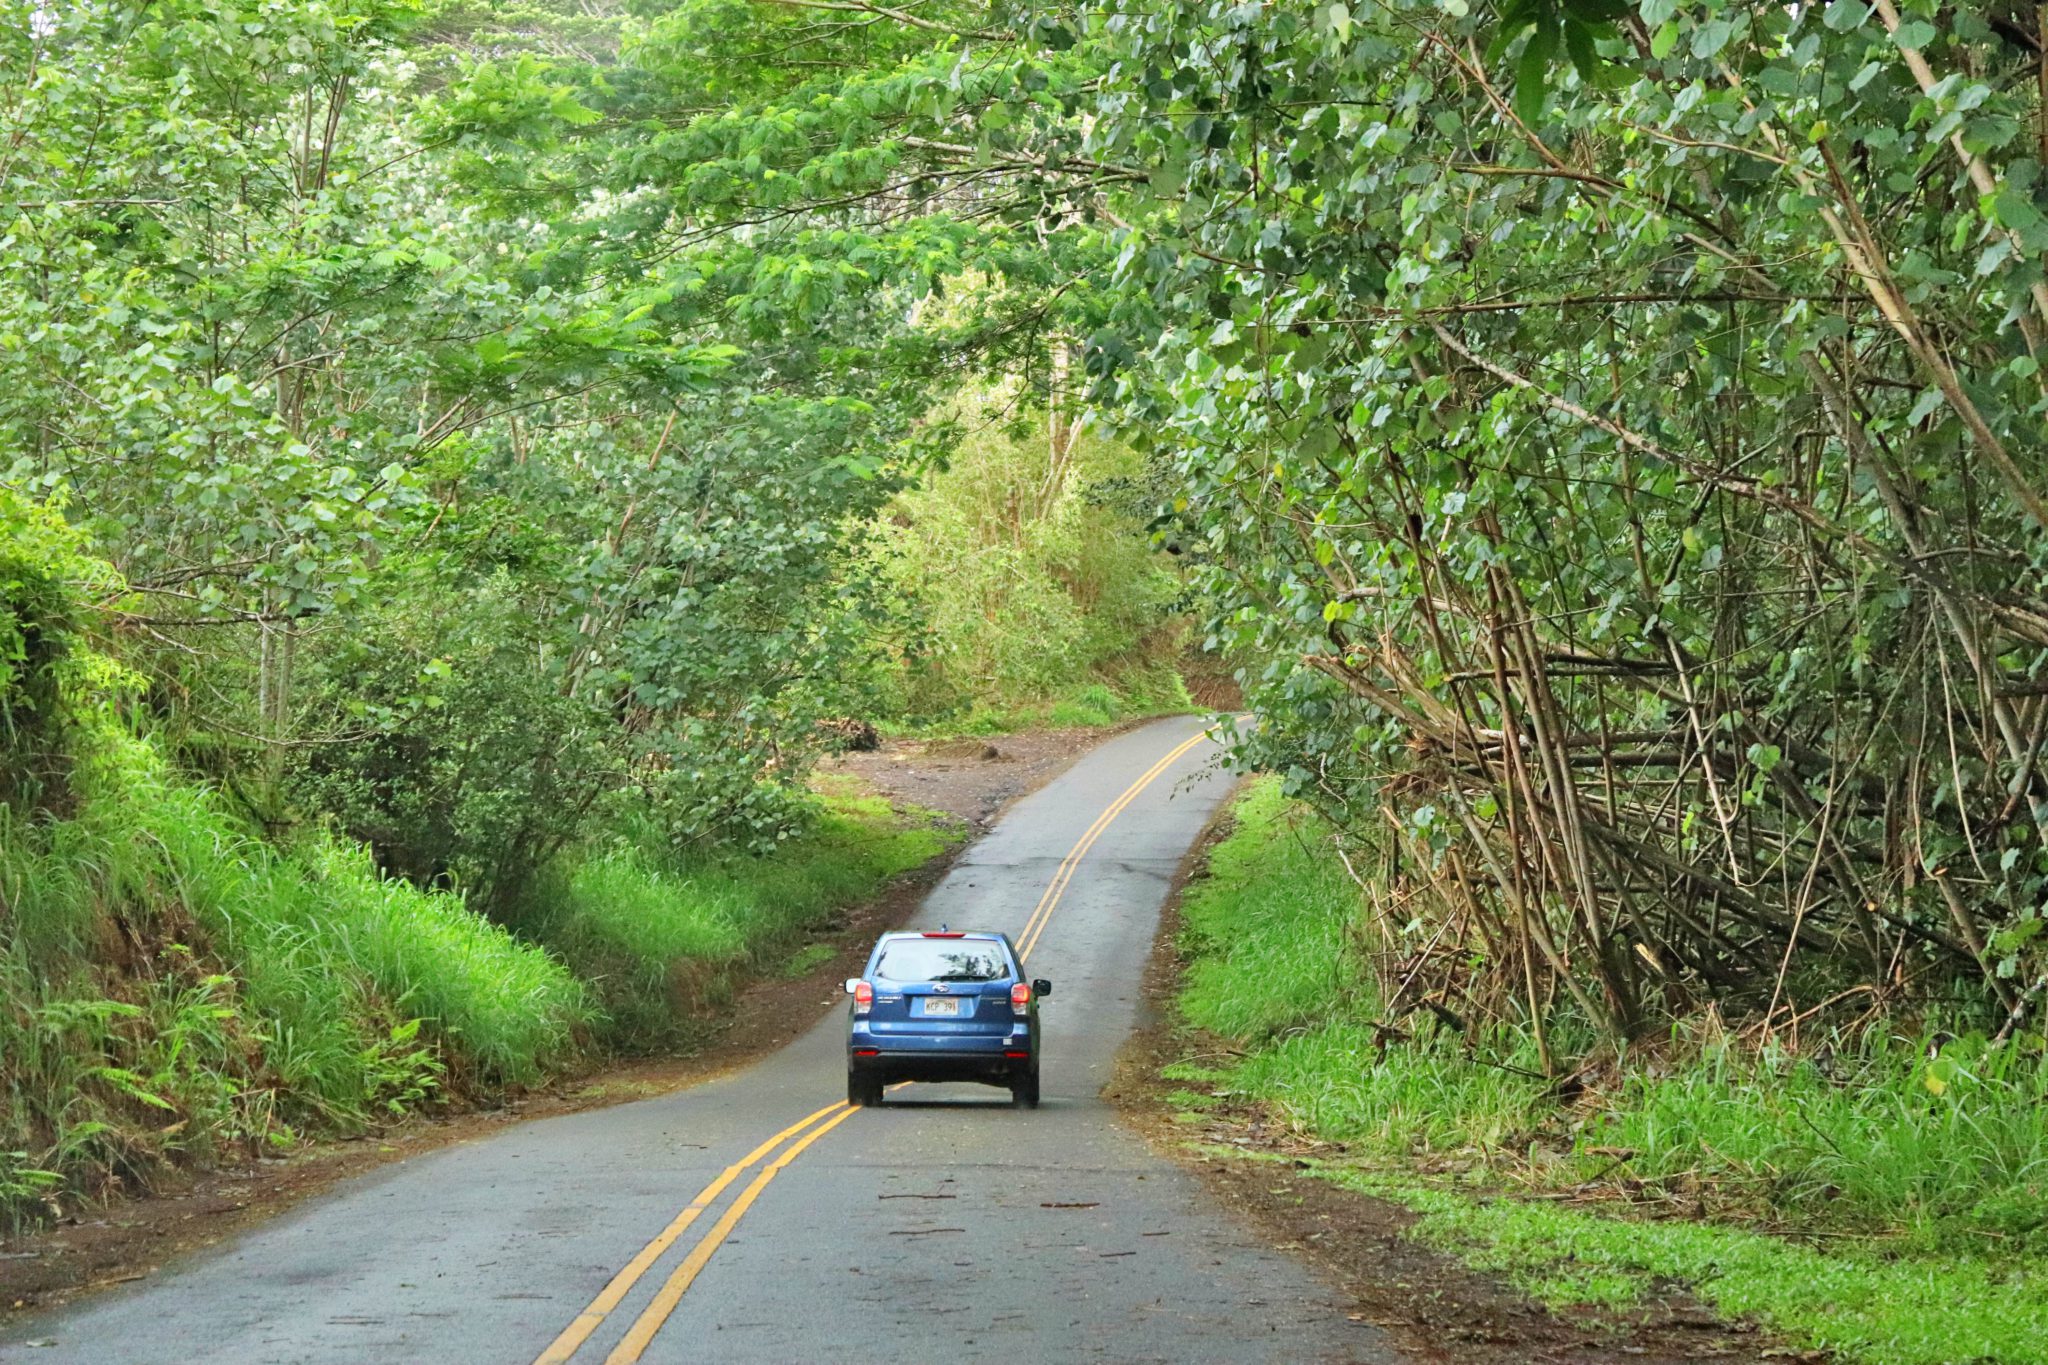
946	1226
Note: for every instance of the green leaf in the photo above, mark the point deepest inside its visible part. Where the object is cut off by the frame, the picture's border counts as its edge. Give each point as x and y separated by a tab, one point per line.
1533	71
1914	33
1844	15
1578	41
1709	38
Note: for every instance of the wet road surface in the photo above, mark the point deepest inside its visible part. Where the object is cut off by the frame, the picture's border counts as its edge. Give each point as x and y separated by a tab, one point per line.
945	1226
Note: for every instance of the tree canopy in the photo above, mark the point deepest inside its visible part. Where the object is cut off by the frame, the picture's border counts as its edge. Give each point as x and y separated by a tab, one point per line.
1608	437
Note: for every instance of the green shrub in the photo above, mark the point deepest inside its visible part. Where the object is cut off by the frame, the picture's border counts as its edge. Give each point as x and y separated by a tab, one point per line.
47	674
661	930
1020	583
469	766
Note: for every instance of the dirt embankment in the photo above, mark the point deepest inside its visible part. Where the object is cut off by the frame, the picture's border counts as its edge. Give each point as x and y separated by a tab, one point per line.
1430	1304
972	780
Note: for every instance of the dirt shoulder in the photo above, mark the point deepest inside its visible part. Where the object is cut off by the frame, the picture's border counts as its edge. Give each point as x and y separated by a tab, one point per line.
970	778
1431	1306
91	1249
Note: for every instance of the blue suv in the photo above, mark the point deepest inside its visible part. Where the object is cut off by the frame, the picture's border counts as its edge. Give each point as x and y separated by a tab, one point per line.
943	1005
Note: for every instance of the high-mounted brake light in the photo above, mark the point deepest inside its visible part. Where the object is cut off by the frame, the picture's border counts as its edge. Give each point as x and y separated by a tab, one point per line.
863	997
943	933
1020	997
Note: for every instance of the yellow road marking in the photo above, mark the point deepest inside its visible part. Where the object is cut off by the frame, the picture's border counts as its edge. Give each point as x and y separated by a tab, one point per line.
577	1332
1061	878
1056	888
1064	872
651	1320
641	1334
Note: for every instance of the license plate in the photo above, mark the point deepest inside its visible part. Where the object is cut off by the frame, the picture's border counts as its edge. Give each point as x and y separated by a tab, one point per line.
934	1005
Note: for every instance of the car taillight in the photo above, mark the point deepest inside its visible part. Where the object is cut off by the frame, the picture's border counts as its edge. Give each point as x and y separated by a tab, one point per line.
863	998
1020	997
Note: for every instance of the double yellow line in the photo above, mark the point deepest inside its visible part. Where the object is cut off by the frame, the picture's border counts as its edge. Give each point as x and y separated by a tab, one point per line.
1034	927
798	1135
671	1293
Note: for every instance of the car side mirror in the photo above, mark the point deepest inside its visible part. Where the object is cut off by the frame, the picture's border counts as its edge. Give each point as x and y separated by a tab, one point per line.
1041	988
852	984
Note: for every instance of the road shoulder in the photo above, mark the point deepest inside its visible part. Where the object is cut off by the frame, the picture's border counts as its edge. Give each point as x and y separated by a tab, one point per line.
1430	1304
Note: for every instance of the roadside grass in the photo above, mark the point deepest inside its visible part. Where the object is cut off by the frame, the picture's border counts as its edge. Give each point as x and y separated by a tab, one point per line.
1142	690
1262	915
1863	1301
807	959
171	986
663	935
1873	1199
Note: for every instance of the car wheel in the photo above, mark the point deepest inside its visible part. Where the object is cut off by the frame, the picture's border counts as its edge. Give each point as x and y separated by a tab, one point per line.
1024	1090
863	1092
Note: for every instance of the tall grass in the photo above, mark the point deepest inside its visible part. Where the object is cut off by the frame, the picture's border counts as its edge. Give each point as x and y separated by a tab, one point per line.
1926	1147
319	934
170	985
1939	1151
505	1011
662	933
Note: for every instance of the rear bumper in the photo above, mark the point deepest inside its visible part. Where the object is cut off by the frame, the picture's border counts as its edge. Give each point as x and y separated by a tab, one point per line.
942	1056
941	1066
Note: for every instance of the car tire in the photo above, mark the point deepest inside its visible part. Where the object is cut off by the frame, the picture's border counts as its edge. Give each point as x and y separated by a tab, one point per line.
863	1092
1024	1090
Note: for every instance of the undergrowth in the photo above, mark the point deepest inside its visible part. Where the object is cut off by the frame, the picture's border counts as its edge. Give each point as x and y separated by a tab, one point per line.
664	935
171	987
1838	1193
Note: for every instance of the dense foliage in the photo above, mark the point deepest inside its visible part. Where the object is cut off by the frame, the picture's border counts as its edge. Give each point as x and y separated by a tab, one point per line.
442	520
1608	438
1629	486
1611	433
1023	575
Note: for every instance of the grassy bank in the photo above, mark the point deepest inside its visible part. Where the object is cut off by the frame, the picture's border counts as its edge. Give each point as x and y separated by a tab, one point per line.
664	935
1867	1197
172	987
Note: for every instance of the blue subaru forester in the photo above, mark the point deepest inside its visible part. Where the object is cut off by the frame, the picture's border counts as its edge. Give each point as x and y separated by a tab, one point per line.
943	1005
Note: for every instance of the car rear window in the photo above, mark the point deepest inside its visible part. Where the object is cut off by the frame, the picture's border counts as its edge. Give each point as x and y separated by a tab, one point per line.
943	959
